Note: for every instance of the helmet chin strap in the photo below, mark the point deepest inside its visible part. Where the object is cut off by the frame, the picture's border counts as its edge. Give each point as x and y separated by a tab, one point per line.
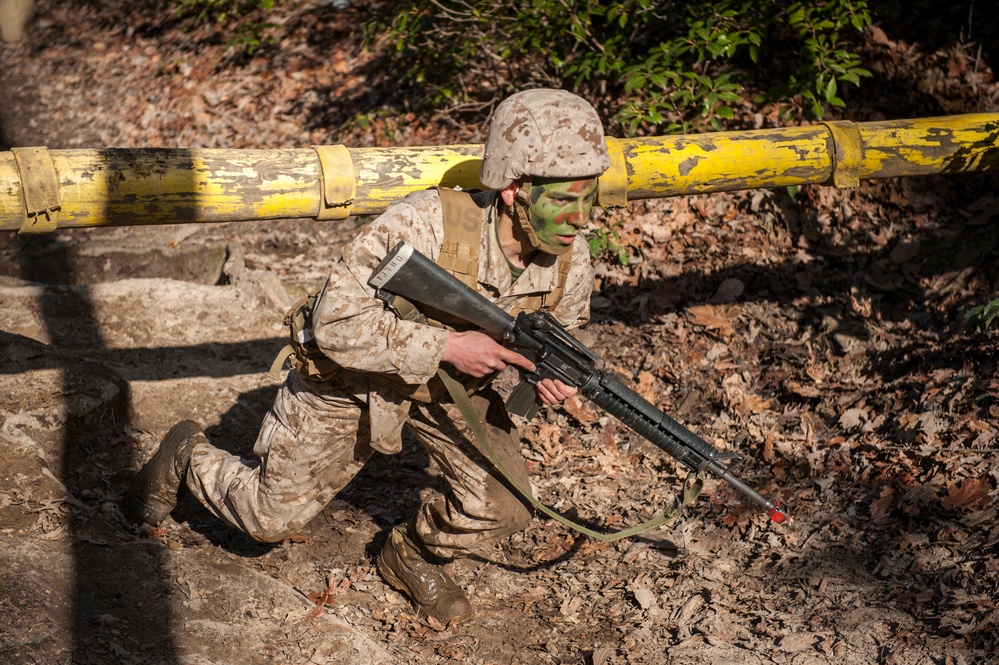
520	211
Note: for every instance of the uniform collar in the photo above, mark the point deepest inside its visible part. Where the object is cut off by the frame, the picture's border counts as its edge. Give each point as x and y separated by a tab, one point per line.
540	276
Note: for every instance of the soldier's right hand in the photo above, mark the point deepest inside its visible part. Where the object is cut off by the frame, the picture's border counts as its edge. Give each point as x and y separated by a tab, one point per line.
477	354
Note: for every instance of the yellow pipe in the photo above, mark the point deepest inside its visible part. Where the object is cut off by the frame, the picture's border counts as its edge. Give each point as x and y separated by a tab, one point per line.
117	187
725	161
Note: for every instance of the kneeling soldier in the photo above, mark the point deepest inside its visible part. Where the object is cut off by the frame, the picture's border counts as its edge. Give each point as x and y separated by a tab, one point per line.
363	372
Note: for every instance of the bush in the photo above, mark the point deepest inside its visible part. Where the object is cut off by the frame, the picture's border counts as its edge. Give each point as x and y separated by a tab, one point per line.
249	33
983	316
666	66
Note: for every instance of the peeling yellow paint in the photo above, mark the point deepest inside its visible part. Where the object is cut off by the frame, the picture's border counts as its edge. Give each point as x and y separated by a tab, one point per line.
114	187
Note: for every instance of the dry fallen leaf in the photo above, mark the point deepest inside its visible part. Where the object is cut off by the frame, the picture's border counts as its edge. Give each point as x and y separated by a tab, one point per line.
711	317
644	597
548	438
803	391
881	507
581	410
602	656
647	386
853	418
796	642
967	495
728	291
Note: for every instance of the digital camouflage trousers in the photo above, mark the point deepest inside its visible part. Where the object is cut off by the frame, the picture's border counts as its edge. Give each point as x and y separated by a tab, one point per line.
315	440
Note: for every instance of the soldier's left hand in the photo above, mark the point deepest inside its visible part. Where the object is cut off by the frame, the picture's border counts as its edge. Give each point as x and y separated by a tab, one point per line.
553	391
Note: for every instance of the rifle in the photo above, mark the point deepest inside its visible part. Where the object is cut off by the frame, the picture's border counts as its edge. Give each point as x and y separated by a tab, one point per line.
406	273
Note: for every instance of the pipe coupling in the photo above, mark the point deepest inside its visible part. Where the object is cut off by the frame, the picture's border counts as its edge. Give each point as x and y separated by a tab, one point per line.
40	188
337	181
847	153
612	186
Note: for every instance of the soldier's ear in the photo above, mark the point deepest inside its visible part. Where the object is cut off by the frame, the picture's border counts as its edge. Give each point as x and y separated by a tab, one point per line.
509	193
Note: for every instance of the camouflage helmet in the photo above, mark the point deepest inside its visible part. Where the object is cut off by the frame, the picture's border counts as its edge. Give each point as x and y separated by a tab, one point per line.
545	133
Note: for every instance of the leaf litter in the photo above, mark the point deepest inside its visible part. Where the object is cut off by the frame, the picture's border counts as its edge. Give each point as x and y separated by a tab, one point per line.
820	336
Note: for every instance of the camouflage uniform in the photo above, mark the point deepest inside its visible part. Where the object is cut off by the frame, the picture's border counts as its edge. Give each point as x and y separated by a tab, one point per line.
326	421
317	436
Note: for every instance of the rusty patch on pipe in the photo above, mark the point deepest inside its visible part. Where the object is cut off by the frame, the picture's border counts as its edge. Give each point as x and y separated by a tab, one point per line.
688	165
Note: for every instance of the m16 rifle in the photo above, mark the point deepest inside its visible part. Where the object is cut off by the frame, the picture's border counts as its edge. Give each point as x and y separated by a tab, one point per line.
406	273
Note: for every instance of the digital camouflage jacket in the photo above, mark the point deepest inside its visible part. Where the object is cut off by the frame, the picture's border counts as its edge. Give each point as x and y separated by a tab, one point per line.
356	331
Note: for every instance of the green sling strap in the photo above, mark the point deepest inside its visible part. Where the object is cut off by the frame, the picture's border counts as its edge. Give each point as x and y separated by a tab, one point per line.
692	486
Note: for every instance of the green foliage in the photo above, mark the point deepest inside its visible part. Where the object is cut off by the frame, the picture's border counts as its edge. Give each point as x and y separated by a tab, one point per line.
829	63
667	66
199	11
606	239
243	16
983	396
981	317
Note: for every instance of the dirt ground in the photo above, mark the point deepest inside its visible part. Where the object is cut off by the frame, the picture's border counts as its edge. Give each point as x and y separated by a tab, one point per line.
822	336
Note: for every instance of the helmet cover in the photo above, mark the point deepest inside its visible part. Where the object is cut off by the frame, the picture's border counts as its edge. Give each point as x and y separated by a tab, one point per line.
545	133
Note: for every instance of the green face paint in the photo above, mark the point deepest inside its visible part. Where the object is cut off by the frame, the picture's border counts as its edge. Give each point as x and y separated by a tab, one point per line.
559	209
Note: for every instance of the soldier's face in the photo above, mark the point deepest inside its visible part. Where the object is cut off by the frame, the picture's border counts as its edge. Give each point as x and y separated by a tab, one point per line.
560	208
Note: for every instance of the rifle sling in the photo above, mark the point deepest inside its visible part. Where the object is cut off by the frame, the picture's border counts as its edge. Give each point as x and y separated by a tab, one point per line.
692	486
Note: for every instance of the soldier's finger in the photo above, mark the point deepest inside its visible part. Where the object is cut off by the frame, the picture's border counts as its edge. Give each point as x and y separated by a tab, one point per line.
556	390
564	389
545	393
515	358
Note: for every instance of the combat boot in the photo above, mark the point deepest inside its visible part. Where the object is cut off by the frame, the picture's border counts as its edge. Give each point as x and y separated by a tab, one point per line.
153	494
431	590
